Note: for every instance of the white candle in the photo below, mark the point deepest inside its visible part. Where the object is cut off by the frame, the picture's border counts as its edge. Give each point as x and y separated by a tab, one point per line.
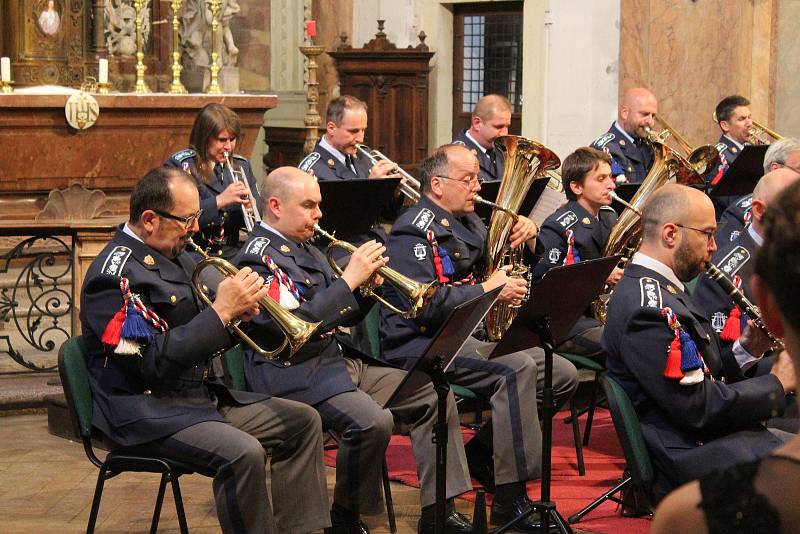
5	69
103	71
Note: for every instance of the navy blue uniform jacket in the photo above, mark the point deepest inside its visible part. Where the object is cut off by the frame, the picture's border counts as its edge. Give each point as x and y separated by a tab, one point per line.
490	171
317	371
688	429
326	167
732	221
629	159
142	398
411	254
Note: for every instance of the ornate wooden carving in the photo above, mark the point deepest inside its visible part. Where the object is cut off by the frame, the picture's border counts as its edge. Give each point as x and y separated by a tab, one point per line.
74	202
394	84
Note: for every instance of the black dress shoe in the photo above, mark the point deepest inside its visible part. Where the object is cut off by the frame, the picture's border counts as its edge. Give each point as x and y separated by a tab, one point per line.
454	523
348	527
503	513
480	463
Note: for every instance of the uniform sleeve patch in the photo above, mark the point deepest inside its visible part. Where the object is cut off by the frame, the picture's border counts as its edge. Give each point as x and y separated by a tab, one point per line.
734	261
567	219
603	140
116	260
554	255
184	154
745	203
257	246
309	161
423	219
721	147
420	251
650	293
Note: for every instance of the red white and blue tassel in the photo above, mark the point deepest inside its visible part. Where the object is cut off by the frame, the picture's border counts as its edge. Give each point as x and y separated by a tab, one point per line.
129	329
572	256
684	361
736	320
282	289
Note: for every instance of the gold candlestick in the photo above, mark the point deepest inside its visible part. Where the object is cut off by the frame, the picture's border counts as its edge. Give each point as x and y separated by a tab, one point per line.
141	85
7	87
312	119
176	88
213	86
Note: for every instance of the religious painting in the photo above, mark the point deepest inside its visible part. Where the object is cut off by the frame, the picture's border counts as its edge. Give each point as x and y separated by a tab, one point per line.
49	20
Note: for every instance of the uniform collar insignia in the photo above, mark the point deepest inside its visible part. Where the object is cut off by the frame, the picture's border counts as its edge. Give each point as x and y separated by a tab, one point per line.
285	249
672	289
622	142
445	222
586	221
734	149
149	261
331	163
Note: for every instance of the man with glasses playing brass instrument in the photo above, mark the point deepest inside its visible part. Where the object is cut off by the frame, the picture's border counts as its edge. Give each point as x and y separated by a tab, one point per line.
155	383
345	386
441	238
696	415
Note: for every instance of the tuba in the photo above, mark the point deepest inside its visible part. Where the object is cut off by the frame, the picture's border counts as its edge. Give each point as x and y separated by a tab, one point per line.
668	166
525	161
702	159
417	293
295	331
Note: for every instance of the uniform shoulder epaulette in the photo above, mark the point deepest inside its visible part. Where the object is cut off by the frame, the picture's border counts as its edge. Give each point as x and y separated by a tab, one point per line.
115	262
423	220
257	246
746	202
567	219
459	142
603	140
309	161
721	147
186	153
734	260
650	293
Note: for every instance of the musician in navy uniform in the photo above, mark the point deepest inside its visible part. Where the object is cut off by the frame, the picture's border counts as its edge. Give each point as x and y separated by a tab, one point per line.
155	383
441	238
734	119
490	119
736	259
335	156
695	418
346	387
579	231
736	217
223	199
626	140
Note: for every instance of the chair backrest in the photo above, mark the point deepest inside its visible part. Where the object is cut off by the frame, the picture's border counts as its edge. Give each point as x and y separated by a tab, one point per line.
629	432
75	379
372	324
234	367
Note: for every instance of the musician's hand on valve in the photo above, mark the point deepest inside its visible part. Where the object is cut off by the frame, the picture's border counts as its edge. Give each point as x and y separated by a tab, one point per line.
783	369
615	276
363	263
515	288
236	193
237	296
382	169
754	340
522	231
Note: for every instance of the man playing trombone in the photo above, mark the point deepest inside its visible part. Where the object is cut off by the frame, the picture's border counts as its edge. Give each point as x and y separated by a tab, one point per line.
154	387
345	386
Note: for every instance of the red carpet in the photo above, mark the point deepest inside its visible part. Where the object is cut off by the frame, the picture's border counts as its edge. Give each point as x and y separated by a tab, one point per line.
571	492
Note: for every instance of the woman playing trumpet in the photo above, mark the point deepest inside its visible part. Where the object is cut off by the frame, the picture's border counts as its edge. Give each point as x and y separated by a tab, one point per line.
225	199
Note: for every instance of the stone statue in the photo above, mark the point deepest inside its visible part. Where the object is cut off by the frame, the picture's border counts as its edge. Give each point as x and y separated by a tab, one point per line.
120	26
49	20
195	33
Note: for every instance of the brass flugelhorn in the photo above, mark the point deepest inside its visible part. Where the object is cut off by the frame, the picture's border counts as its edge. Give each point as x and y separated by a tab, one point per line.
295	331
416	292
409	185
739	298
759	133
251	215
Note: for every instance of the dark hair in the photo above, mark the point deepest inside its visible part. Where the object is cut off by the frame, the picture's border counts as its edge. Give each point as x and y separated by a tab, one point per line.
578	164
211	120
727	105
337	107
152	192
437	164
778	259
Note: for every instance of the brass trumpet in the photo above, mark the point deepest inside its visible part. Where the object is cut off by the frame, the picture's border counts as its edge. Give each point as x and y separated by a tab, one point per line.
762	134
251	215
295	331
409	185
416	292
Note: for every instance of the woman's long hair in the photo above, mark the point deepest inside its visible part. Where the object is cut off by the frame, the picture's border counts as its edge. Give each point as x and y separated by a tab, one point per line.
211	120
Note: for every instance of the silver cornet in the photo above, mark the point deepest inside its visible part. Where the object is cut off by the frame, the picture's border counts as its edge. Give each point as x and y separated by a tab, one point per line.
409	185
251	214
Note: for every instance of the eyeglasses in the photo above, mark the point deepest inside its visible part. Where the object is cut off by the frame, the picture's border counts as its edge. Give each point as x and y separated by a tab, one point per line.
709	233
471	180
187	222
782	164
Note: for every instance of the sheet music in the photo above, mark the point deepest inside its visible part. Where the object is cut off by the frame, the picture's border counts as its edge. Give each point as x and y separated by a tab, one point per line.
548	202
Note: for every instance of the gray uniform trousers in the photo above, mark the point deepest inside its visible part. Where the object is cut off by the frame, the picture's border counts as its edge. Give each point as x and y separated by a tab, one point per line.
364	430
292	433
513	383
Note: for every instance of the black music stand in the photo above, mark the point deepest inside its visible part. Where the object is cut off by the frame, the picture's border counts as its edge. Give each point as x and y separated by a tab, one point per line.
351	207
742	176
489	192
431	367
545	320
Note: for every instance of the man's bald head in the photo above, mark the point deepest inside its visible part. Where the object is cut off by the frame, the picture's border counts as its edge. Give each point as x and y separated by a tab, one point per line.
671	203
772	183
637	111
490	105
283	182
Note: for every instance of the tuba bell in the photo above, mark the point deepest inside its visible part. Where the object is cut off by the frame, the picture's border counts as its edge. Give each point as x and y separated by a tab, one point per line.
295	331
668	166
526	160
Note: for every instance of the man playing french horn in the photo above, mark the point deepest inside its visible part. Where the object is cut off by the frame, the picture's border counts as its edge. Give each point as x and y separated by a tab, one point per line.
345	386
441	238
